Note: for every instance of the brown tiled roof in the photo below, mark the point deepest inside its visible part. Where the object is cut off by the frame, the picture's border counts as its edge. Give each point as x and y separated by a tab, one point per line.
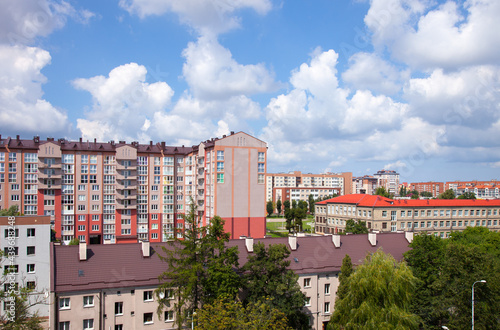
122	265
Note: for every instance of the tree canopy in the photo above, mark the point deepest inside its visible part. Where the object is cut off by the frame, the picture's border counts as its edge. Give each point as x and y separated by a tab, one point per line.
267	279
447	194
378	296
382	192
467	195
356	227
447	268
269	208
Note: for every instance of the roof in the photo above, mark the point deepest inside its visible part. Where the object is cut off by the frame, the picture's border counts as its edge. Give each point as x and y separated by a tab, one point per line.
361	200
122	265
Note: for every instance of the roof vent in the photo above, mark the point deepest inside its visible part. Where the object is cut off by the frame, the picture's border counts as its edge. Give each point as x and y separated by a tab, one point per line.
372	237
146	251
292	241
249	244
83	251
409	236
336	240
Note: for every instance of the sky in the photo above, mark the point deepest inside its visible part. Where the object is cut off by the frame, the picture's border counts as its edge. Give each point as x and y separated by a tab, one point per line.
330	85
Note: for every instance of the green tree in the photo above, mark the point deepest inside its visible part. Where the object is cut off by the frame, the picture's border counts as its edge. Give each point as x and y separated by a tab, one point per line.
229	314
74	241
286	205
185	268
11	211
403	191
425	259
294	204
220	278
356	227
382	192
345	272
447	194
22	317
378	296
294	219
267	279
278	206
269	208
414	194
426	194
311	204
467	195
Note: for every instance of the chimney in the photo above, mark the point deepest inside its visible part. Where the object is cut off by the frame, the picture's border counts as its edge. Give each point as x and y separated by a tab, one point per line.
409	236
81	140
292	241
146	253
336	240
83	251
372	237
17	137
249	244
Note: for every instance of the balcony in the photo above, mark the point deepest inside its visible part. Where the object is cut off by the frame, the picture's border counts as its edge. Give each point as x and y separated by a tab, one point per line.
130	204
120	166
121	176
130	195
56	165
56	175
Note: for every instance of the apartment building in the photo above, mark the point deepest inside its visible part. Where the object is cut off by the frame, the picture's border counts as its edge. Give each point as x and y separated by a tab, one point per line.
111	286
118	192
435	188
297	186
439	216
367	184
389	180
482	189
25	242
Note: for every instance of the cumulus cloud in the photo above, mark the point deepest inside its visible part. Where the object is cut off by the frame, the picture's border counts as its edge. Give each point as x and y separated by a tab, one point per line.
426	36
123	103
206	16
22	107
469	97
212	73
369	71
21	21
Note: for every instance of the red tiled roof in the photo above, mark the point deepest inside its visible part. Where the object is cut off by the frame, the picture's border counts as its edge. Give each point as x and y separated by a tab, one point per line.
122	265
378	201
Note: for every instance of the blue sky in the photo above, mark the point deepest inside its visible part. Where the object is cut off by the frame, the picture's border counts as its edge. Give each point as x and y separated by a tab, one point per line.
330	85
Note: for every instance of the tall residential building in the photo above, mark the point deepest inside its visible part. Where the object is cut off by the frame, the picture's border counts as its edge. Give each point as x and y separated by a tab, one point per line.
365	185
389	180
298	186
118	192
435	188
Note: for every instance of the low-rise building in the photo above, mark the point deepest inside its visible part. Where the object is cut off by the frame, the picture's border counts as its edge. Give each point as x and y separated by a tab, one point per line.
112	286
440	216
25	243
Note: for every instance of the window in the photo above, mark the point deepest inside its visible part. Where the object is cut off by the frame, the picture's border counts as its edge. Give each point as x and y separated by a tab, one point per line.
64	325
148	296
31	285
148	318
220	155
307	301
88	324
30	250
119	308
261	168
220	166
307	282
220	177
118	326
262	157
126	231
30	268
30	232
169	316
95	227
88	301
327	308
64	303
10	251
327	288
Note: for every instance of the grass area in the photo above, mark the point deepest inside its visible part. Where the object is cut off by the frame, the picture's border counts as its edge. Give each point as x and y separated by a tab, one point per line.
279	228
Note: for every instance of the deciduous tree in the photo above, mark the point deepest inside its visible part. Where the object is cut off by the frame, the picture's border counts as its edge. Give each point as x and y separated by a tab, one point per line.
378	297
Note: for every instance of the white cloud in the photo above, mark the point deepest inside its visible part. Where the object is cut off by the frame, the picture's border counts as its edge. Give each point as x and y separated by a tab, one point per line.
369	71
469	97
212	73
395	165
21	21
124	103
448	36
208	17
22	107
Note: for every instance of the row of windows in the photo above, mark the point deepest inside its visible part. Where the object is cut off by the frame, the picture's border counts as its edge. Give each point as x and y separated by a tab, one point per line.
442	213
30	232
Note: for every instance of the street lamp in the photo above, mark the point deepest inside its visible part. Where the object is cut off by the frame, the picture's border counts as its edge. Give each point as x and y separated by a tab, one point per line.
481	281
